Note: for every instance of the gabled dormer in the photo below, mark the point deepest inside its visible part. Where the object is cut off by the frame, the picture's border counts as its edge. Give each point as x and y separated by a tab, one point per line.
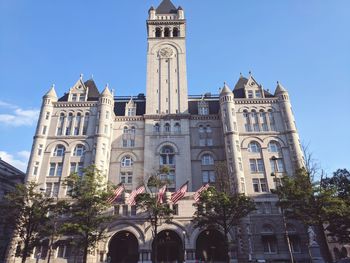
203	107
79	91
130	108
249	88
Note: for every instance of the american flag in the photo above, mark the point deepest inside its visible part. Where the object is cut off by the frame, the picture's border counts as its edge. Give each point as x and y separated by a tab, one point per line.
116	193
175	197
161	194
134	193
199	191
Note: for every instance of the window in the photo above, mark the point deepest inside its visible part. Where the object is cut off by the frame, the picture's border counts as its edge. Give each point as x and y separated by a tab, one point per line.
277	165
273	147
59	150
259	185
167	156
77	168
209	142
127	161
250	94
272	121
207	159
47	116
247	124
36	168
270	244
167	127
44	130
256	165
157	128
60	124
295	243
52	189
208	176
79	150
177	128
256	185
201	142
74	97
201	129
131	111
208	129
203	111
77	124
176	32
81	97
238	148
257	94
55	169
240	164
107	115
105	129
126	177
254	147
69	123
158	32
166	32
86	122
263	185
40	149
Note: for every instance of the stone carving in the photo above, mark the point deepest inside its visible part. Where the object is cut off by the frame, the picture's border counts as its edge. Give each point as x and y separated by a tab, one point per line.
166	52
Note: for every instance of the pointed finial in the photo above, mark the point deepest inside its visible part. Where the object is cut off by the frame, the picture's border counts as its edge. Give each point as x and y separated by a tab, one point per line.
81	76
107	85
250	72
278	82
53	85
224	83
92	76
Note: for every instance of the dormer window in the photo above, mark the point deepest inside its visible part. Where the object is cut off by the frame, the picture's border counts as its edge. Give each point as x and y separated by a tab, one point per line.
82	97
258	94
203	108
250	94
131	111
130	108
74	97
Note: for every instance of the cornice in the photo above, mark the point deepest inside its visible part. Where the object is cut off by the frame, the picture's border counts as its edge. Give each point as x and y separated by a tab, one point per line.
167	116
166	22
205	117
256	101
128	118
77	104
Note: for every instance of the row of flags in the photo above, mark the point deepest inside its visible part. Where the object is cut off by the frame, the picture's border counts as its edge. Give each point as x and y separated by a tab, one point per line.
175	197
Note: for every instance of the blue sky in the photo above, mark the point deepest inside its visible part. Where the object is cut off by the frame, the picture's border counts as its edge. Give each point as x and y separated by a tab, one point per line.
303	44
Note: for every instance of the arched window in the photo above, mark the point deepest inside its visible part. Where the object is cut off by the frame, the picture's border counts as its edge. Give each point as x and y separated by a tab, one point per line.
69	124
158	32
125	130
133	130
86	123
201	129
207	159
79	150
167	127
166	32
127	161
254	147
268	239
177	127
274	147
272	120
176	32
208	129
60	124
156	128
263	119
59	150
248	127
77	124
255	119
167	156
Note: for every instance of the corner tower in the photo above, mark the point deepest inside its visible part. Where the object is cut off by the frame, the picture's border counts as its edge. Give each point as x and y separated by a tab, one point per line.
166	60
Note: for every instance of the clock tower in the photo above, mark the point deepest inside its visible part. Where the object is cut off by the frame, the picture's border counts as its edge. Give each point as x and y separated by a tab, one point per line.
166	61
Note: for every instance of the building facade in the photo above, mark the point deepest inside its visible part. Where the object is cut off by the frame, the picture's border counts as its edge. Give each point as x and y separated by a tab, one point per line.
129	138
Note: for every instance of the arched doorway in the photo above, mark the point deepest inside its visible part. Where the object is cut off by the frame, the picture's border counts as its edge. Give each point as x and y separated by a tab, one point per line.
210	246
170	247
123	247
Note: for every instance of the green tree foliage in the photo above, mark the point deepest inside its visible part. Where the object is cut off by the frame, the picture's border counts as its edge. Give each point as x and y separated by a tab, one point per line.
88	216
25	210
339	219
156	213
314	204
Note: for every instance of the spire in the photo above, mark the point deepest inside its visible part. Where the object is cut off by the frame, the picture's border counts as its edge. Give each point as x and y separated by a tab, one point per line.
280	89
225	90
166	7
51	92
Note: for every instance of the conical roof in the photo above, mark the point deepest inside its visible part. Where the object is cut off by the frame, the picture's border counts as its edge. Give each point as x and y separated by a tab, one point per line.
226	90
280	89
166	7
106	92
51	92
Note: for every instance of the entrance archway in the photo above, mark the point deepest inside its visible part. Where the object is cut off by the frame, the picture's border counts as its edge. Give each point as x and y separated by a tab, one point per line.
210	246
170	247
123	248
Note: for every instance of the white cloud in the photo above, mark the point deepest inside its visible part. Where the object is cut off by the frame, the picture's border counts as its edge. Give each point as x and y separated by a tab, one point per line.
18	116
20	162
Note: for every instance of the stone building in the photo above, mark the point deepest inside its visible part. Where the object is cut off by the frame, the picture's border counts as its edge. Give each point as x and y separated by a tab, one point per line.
9	178
129	138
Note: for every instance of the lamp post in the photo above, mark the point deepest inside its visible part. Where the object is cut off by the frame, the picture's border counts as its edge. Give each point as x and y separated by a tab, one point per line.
184	244
274	159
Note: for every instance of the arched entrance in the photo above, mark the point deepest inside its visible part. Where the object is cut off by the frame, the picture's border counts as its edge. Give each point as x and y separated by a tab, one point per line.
210	246
123	247
170	247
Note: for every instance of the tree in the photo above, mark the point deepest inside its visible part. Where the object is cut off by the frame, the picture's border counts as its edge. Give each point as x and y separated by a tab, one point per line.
88	220
222	208
310	203
25	210
339	220
155	212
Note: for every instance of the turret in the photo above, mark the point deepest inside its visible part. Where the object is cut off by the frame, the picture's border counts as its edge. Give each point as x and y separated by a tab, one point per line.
180	13
152	13
41	134
290	127
105	116
229	122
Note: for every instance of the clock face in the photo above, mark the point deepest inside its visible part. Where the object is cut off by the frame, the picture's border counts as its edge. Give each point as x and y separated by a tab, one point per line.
166	52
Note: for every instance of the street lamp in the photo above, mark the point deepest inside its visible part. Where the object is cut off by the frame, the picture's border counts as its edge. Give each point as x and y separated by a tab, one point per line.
184	244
